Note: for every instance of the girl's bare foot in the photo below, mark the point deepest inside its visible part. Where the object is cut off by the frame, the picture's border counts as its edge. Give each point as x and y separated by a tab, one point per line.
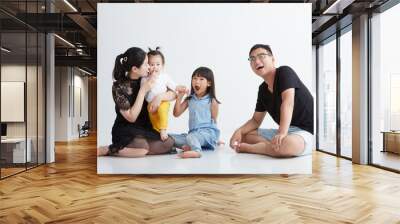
186	148
220	142
163	134
102	150
189	154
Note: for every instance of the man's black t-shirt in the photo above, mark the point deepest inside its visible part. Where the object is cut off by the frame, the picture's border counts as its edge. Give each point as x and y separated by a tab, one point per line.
303	111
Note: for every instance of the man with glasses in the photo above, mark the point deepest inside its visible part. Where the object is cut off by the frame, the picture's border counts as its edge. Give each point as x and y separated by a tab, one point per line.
290	104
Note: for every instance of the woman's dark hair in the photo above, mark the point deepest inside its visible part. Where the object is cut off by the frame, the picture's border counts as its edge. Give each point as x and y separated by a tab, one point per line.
209	75
263	46
134	56
155	53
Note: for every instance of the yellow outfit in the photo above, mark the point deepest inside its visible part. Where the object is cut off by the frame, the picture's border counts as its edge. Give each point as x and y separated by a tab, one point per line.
159	119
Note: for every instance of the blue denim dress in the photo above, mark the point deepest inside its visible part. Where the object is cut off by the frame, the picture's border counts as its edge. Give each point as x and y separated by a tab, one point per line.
203	131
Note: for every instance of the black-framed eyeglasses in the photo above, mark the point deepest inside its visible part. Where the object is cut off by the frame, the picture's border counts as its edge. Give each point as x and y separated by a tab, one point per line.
260	56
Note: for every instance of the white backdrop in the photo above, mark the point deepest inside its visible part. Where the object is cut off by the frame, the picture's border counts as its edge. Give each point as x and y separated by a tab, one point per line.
218	36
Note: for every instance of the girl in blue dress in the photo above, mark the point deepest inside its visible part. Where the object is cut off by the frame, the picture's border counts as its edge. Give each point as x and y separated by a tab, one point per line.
203	111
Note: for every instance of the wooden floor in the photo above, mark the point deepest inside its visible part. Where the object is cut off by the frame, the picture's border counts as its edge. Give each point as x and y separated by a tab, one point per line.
10	171
387	159
70	191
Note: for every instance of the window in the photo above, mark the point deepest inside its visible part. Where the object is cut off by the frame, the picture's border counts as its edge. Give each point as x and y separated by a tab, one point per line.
327	97
346	75
385	87
22	65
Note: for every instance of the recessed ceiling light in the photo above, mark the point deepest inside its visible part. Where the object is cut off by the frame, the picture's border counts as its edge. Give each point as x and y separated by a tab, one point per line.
84	71
64	40
337	7
5	50
70	5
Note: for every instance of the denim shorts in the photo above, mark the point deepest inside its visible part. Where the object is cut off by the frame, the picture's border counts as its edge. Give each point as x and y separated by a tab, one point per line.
309	140
201	139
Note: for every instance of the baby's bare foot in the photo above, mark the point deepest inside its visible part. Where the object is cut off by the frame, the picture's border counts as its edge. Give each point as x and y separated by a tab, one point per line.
163	135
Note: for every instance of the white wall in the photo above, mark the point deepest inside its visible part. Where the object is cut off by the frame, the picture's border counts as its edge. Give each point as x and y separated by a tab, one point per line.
313	87
33	126
80	83
69	79
61	103
17	73
14	72
218	36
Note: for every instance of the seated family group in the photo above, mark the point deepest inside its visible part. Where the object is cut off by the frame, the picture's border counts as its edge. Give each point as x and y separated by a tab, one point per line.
142	92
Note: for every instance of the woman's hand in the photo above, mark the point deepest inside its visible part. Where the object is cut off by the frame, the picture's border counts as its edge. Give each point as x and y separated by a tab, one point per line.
147	85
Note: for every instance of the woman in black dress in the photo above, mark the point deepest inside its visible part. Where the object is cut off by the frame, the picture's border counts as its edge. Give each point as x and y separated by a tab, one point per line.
132	133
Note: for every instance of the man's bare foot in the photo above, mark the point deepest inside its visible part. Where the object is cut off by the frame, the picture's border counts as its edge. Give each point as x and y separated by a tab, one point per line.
245	147
238	146
189	154
163	134
220	142
102	151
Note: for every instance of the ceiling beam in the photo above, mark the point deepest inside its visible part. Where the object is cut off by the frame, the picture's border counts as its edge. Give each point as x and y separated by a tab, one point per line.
337	7
82	61
84	24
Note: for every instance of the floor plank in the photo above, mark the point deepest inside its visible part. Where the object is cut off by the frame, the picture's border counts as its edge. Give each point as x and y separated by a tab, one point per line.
70	191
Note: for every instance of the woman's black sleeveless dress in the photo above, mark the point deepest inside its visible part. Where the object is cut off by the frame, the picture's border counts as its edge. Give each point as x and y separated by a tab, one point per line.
123	131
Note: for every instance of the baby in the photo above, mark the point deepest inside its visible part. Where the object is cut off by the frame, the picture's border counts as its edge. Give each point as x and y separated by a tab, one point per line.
163	83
